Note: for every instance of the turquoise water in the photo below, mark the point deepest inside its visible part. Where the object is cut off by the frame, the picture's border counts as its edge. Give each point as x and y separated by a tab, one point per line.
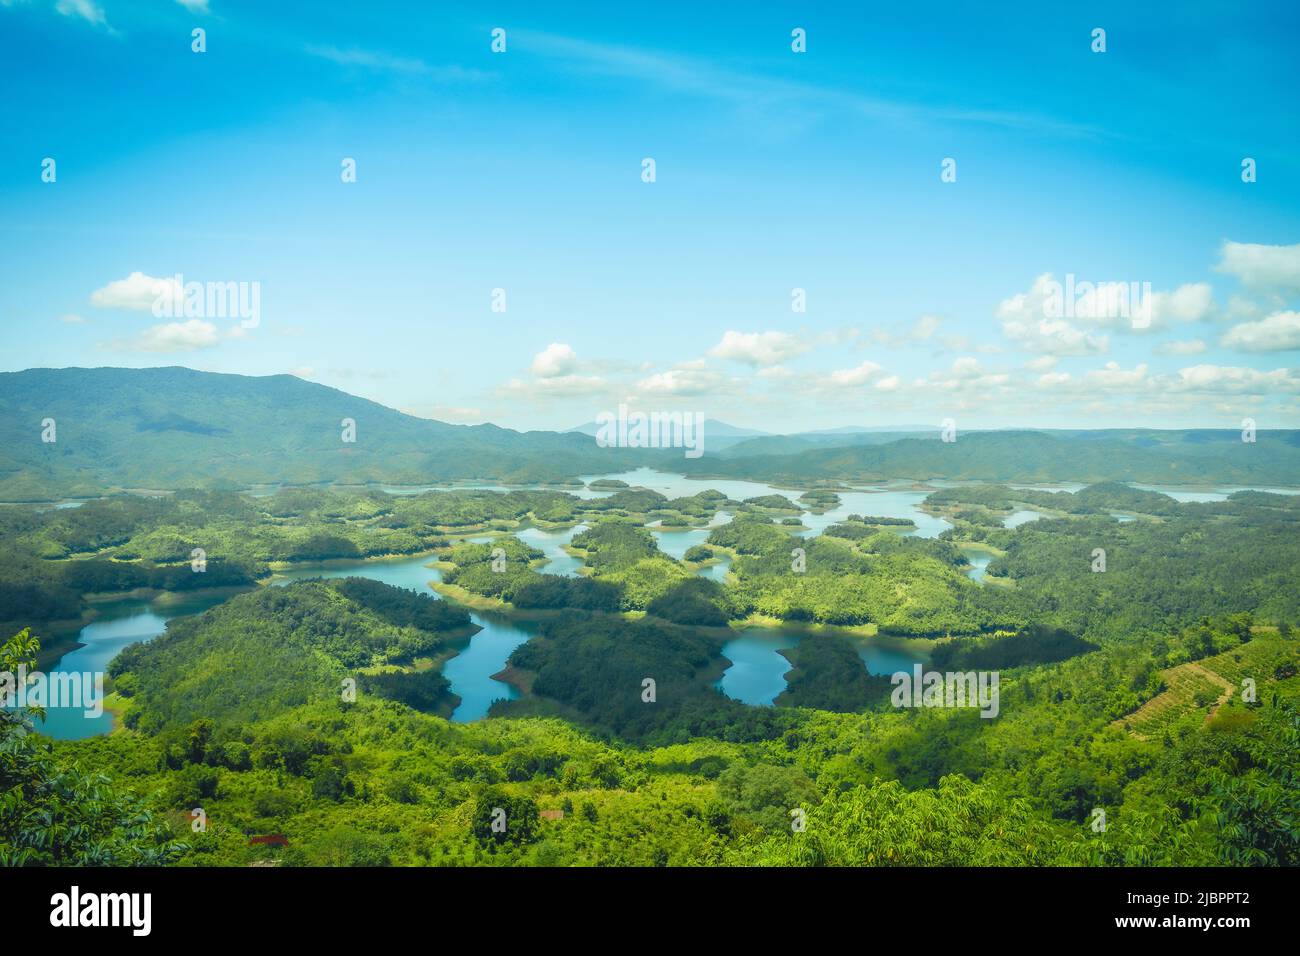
979	562
892	502
118	625
677	542
883	661
1070	486
757	672
410	573
470	671
717	572
1203	494
577	491
1017	518
552	544
887	503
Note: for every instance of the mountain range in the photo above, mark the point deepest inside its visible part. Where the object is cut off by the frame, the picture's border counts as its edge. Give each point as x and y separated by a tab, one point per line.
166	428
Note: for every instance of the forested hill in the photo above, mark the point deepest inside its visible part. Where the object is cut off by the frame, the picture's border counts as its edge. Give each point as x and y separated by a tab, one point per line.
175	427
169	428
1198	456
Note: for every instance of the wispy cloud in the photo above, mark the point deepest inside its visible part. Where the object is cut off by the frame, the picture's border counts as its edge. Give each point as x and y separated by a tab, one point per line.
170	337
755	92
380	62
87	10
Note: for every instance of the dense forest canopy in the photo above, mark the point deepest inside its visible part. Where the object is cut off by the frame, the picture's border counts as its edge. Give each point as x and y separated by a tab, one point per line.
1146	650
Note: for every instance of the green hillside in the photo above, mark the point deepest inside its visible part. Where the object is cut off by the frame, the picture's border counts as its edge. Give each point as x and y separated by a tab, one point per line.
1163	457
175	427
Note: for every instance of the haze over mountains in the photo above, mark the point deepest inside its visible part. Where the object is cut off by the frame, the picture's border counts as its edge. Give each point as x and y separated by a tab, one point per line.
733	440
176	427
164	428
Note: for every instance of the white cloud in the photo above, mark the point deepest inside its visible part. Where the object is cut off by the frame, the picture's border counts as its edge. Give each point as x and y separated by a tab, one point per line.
554	361
890	384
758	348
175	337
195	6
88	10
1261	266
1277	333
922	329
1114	377
1243	309
1049	379
303	371
680	381
966	376
71	319
1226	378
1042	363
560	386
1193	302
853	377
402	66
1124	305
1025	322
1188	347
1053	318
136	292
925	326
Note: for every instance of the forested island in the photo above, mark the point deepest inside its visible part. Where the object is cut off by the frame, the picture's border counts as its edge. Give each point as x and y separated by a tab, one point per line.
316	643
1119	690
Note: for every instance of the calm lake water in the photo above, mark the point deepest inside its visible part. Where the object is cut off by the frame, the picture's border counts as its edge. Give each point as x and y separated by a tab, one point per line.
757	672
755	677
470	671
120	624
677	542
886	501
979	562
717	572
552	544
1017	518
1201	494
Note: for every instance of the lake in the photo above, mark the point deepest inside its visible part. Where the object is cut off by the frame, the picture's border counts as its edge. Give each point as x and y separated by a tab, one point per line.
470	671
757	672
1017	518
886	501
551	543
755	677
979	563
120	623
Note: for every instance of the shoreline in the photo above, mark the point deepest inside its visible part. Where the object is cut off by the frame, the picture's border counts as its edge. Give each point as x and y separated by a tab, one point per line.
560	485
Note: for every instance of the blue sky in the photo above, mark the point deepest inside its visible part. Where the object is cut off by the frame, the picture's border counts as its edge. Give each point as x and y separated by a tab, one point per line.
775	171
